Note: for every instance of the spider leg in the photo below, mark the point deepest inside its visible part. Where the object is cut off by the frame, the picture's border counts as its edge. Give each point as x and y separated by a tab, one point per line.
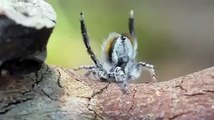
132	30
131	24
124	87
121	79
92	69
86	67
88	73
87	41
119	75
148	66
96	72
93	72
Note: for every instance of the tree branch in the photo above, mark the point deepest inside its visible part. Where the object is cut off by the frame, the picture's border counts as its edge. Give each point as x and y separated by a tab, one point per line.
61	94
58	93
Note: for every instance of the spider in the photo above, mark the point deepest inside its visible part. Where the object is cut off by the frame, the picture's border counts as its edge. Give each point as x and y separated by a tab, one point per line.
118	52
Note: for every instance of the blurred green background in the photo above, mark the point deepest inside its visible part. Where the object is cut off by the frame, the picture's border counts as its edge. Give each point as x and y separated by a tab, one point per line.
177	37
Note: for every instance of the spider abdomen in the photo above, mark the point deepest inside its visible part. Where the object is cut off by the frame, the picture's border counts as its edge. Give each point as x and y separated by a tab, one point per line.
117	48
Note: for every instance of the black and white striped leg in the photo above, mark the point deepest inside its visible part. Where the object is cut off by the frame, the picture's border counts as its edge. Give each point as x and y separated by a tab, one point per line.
85	67
119	75
87	41
96	72
132	29
150	67
131	24
93	73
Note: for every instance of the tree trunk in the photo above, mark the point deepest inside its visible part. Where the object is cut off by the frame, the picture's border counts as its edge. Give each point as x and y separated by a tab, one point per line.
61	94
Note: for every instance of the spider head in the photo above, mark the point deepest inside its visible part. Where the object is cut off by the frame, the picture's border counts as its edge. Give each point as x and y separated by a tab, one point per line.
118	49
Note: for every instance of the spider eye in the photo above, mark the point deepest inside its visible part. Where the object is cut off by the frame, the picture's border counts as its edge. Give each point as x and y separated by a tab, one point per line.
123	37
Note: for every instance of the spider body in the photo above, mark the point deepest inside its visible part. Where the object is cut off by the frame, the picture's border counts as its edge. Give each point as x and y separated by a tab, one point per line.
118	53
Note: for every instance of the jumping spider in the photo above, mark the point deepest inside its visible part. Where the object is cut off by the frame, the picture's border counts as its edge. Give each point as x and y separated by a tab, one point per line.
118	53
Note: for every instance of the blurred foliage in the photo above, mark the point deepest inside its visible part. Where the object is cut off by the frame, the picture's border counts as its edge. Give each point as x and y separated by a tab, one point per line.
106	17
156	35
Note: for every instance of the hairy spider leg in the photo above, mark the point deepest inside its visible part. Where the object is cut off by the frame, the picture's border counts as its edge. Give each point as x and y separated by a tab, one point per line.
132	28
132	33
124	87
98	70
86	67
148	66
87	41
131	24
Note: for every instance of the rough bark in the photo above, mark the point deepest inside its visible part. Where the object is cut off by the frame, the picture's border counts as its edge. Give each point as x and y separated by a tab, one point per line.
62	94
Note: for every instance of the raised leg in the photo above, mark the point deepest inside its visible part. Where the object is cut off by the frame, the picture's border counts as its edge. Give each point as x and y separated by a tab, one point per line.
148	66
87	42
131	24
132	29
